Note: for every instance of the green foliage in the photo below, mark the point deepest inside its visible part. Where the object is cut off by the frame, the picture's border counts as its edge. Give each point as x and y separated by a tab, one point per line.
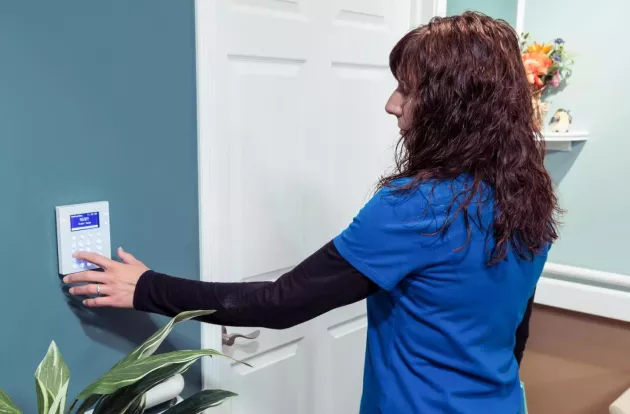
123	388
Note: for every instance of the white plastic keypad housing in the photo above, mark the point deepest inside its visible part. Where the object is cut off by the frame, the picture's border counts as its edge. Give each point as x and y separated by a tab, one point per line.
82	227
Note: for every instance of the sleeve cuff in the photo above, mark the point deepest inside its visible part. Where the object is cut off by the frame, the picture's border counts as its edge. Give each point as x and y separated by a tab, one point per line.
358	264
142	294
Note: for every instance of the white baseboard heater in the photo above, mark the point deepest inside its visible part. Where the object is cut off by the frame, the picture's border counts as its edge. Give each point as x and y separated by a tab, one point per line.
161	394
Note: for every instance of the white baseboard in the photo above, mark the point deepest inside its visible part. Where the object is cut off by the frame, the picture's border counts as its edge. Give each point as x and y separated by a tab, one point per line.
567	287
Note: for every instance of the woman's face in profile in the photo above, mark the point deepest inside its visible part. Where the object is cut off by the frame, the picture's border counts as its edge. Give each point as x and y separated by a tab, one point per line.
398	105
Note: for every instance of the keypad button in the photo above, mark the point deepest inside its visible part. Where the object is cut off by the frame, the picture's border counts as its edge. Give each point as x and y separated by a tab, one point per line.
80	244
98	241
74	245
99	248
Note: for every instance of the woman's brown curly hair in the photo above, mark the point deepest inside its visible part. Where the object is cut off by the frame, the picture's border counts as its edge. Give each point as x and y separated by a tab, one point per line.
473	115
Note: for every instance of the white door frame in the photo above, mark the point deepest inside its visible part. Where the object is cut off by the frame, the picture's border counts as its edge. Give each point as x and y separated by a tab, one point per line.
210	165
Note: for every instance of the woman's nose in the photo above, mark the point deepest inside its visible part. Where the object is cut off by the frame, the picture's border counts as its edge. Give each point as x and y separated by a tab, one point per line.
393	109
393	106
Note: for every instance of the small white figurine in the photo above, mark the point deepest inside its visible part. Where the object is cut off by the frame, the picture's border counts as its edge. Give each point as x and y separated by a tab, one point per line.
561	121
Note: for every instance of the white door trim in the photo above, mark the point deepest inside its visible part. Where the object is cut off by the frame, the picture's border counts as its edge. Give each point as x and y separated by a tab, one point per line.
440	7
210	165
520	17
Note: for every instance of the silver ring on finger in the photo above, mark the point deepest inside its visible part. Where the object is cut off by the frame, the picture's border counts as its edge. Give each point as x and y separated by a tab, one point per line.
98	289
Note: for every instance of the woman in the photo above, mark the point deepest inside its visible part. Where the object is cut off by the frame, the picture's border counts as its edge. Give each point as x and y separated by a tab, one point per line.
448	251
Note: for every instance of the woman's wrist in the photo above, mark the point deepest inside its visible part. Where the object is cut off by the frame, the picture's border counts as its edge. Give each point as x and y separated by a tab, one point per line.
142	293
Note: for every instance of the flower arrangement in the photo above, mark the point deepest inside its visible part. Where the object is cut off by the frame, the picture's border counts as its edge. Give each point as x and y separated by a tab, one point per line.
547	65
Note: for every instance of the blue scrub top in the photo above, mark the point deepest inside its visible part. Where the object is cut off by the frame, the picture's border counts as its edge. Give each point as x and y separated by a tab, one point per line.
441	332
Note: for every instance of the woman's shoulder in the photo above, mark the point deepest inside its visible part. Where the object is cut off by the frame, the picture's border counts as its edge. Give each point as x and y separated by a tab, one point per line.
434	191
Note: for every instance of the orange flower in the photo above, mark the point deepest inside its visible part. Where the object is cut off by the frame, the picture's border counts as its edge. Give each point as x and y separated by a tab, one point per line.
540	48
537	64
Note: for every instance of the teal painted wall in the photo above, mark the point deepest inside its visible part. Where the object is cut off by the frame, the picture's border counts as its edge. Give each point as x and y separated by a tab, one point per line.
592	180
97	102
499	9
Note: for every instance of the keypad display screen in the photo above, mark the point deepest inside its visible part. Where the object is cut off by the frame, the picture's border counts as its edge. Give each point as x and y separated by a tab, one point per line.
84	221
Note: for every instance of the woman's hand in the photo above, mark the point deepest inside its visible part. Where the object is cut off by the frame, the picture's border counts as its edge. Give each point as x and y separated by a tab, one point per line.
116	285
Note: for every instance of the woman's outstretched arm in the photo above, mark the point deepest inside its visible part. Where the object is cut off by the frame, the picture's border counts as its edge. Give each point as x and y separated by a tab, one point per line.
322	282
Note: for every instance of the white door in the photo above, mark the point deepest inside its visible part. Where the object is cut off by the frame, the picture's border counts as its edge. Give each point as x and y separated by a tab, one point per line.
292	138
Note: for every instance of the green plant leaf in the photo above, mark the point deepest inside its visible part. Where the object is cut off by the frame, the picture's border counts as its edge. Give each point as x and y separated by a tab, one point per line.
198	402
121	400
7	406
86	405
51	380
137	407
152	344
145	350
44	398
132	371
59	403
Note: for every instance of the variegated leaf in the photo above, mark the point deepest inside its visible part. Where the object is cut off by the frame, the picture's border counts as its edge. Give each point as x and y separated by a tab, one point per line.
133	371
153	343
121	400
197	403
51	378
137	407
59	403
143	351
88	403
44	398
7	406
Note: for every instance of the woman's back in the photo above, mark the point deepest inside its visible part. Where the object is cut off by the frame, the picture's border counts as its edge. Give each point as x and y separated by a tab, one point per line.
442	331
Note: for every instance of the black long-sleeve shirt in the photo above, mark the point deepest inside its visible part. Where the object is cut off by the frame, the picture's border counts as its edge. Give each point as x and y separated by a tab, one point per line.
322	282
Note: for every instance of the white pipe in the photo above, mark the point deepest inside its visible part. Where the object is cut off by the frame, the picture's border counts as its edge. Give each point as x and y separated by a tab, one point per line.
166	391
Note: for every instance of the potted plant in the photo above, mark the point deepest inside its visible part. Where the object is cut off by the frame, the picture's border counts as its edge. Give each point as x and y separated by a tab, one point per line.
122	390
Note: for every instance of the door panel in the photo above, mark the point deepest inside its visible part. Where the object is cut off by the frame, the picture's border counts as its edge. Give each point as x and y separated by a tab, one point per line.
342	370
264	153
293	137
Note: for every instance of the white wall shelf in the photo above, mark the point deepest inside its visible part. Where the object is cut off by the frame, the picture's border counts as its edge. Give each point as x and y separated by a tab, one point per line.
564	141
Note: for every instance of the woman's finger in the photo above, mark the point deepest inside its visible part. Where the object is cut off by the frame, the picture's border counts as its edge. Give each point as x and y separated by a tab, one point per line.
97	259
83	277
91	289
126	257
100	302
